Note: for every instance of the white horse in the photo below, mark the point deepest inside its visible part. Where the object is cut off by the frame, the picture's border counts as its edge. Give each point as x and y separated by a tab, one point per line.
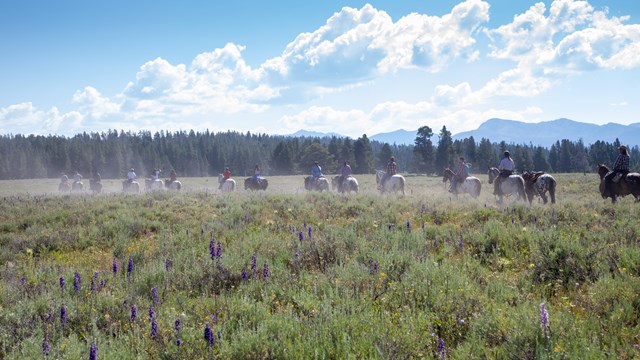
471	185
227	185
513	185
320	184
153	184
393	184
77	186
349	184
131	186
173	185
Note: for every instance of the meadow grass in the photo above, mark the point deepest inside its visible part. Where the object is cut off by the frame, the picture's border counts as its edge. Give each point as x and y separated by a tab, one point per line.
288	274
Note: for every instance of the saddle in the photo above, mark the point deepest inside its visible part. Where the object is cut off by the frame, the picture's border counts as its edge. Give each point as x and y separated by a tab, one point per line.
618	177
532	176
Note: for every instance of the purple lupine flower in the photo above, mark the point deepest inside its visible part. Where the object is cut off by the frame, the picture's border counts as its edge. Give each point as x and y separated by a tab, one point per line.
408	225
423	209
134	313
102	284
212	248
513	221
179	342
441	349
374	267
186	231
423	226
209	337
130	267
154	295
437	221
63	314
305	224
77	280
461	243
254	260
535	219
309	231
93	281
219	249
245	276
114	267
62	283
154	329
23	281
93	352
178	324
390	227
46	347
152	313
167	264
544	319
435	242
265	271
301	236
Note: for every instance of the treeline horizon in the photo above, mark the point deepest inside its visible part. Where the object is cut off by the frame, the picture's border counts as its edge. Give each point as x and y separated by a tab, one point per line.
206	154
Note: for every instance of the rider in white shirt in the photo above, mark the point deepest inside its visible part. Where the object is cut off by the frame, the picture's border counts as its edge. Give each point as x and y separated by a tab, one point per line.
131	175
506	168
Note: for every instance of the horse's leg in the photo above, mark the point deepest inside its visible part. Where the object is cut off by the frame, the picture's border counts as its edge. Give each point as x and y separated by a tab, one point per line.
544	197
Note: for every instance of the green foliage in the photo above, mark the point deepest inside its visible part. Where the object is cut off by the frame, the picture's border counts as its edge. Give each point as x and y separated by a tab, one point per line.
359	276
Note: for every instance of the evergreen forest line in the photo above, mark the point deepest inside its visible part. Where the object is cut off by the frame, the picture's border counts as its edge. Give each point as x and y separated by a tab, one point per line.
198	154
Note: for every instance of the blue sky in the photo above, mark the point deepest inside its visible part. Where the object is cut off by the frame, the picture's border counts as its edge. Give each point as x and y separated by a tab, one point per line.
351	67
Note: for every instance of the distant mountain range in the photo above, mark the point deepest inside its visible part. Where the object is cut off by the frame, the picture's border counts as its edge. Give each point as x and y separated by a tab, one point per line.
544	133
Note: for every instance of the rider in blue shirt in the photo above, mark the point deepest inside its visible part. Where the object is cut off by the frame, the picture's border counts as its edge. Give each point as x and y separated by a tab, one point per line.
316	171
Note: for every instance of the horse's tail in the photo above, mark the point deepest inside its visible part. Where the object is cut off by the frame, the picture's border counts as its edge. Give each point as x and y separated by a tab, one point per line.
521	192
402	185
477	185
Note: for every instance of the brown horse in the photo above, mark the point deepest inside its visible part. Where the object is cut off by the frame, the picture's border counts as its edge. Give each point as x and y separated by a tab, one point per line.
629	184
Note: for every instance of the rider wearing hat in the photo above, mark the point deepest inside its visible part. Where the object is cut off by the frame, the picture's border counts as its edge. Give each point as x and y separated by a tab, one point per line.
131	175
621	166
506	168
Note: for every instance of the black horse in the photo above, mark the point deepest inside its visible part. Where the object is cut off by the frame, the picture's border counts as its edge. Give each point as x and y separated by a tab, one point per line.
252	184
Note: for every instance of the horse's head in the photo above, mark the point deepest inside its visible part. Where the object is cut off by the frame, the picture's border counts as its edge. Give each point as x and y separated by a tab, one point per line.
492	173
602	170
527	176
379	175
447	175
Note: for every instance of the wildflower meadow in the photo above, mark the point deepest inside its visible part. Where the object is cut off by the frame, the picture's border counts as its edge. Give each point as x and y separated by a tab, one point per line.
291	274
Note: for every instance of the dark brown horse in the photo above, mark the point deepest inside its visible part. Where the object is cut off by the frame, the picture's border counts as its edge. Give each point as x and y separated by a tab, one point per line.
629	184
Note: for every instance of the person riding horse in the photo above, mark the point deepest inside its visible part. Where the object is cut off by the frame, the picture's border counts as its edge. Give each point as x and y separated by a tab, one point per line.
155	175
256	175
621	166
392	169
316	171
345	172
506	168
459	176
225	176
